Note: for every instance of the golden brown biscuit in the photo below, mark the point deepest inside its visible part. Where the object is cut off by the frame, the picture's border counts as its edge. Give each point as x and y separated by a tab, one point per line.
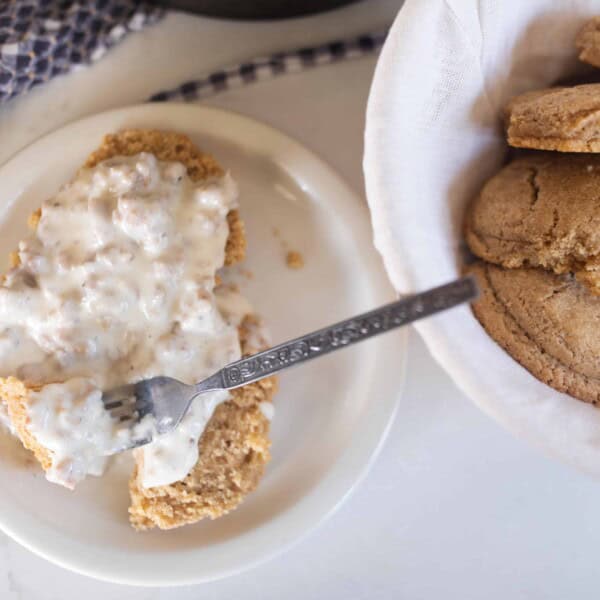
234	448
566	119
588	42
549	323
541	210
15	394
169	145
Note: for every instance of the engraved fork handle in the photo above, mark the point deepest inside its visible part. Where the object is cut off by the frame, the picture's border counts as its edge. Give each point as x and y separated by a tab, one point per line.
342	334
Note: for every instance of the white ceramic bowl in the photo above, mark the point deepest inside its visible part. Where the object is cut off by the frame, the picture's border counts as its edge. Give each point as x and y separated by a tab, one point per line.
331	415
433	137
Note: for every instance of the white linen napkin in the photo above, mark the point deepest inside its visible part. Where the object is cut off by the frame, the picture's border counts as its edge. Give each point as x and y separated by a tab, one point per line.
433	137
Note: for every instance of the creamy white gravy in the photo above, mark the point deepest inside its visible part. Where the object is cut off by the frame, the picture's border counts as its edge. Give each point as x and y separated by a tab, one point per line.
116	284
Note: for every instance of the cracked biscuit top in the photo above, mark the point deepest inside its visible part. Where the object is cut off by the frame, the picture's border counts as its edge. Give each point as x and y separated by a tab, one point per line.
546	322
541	210
566	119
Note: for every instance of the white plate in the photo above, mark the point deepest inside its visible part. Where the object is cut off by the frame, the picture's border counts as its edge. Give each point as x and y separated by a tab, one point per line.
331	415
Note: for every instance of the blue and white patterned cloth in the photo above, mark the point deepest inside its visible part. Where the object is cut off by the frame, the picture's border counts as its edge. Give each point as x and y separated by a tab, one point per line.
277	64
43	38
40	39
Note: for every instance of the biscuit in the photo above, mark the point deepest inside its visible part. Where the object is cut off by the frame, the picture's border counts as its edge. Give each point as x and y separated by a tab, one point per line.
549	323
541	210
234	450
588	42
234	447
566	119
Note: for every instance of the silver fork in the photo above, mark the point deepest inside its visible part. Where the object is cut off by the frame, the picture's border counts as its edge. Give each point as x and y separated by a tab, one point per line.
166	400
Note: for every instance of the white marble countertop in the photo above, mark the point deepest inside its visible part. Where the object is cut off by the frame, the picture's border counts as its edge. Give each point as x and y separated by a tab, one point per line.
454	507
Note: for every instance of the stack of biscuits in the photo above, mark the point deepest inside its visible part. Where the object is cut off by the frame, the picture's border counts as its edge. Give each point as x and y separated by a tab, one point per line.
535	230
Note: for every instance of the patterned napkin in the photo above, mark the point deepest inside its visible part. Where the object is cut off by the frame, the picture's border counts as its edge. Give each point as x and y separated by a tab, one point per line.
43	38
280	63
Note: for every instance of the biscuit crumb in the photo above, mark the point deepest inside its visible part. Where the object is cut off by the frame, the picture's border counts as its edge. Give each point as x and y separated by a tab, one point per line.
230	287
294	260
34	218
13	259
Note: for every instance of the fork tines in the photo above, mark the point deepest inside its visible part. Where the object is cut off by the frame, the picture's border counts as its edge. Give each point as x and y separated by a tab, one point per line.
121	404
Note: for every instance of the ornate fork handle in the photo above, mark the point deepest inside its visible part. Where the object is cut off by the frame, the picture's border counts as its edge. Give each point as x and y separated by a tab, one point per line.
342	334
